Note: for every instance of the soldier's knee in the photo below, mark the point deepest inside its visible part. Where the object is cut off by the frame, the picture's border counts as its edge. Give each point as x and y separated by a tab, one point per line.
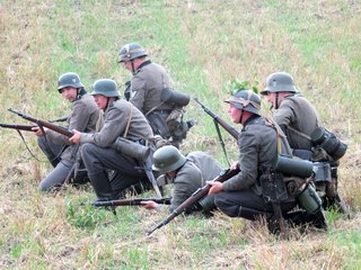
44	186
87	149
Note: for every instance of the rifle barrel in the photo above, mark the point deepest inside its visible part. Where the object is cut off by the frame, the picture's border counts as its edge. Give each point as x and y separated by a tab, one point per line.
194	198
17	126
42	123
231	130
131	202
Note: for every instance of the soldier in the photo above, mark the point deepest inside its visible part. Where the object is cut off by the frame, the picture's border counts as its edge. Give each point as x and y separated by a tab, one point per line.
61	153
147	90
121	119
260	142
299	119
187	174
292	112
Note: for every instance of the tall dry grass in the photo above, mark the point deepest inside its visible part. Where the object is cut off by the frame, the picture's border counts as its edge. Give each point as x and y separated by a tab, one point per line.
203	44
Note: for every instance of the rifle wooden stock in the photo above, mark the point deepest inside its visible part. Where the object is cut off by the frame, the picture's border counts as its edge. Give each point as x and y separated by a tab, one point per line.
231	130
131	202
195	197
42	123
18	126
124	145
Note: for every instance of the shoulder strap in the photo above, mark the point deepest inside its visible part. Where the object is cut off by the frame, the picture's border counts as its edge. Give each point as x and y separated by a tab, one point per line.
128	124
303	135
155	107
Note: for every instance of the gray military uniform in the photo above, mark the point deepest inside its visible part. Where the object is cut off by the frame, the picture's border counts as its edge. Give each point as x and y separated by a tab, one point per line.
98	156
199	168
242	196
83	117
146	87
296	115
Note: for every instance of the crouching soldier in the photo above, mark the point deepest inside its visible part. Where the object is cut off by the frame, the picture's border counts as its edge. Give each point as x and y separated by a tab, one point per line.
188	174
150	91
299	120
256	190
60	152
121	119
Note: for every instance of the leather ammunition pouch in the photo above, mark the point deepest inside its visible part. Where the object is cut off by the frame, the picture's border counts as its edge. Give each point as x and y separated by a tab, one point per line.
322	172
273	187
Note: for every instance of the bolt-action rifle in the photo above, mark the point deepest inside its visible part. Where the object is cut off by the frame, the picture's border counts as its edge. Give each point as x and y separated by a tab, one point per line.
131	202
194	198
219	121
18	126
43	123
121	144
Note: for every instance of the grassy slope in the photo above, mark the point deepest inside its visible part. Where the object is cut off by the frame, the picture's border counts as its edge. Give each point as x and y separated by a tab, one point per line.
203	44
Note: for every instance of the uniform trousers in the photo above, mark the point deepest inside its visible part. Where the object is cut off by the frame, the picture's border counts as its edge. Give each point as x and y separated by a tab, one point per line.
247	204
99	160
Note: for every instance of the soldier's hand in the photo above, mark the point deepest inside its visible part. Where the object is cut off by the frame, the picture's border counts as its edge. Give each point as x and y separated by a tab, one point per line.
76	137
149	204
215	187
234	166
38	132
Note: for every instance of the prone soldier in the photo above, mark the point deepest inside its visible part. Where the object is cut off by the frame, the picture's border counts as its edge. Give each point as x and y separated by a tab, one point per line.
187	174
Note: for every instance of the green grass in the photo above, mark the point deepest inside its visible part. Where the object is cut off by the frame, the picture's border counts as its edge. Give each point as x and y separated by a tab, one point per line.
203	45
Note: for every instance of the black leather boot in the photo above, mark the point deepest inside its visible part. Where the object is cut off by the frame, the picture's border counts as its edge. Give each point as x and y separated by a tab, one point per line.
101	186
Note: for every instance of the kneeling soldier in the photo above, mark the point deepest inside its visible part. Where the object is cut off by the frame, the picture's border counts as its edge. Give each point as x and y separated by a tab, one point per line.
121	119
256	190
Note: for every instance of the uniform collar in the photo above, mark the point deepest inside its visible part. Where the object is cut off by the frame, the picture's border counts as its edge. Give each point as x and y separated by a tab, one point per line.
145	63
252	120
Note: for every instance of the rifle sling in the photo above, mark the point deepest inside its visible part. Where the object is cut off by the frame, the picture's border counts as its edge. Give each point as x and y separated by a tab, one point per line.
221	140
27	147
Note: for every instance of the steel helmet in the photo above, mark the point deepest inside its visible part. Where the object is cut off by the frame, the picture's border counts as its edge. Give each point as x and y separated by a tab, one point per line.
168	159
69	79
246	100
279	82
105	87
130	52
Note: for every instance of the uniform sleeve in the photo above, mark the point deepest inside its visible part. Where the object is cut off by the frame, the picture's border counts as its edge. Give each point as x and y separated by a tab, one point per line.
248	163
284	116
78	120
114	125
138	92
184	187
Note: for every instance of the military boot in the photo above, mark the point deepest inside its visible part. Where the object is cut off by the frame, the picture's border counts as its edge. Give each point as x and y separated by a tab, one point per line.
101	186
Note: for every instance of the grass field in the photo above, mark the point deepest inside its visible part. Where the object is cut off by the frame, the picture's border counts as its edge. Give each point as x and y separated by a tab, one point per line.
204	45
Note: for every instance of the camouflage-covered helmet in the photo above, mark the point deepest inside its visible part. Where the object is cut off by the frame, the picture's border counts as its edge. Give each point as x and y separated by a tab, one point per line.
105	87
168	159
246	100
69	79
279	82
130	52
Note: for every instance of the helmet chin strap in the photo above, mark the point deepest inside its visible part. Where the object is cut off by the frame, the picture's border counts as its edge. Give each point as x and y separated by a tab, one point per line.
276	101
241	116
107	104
133	69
